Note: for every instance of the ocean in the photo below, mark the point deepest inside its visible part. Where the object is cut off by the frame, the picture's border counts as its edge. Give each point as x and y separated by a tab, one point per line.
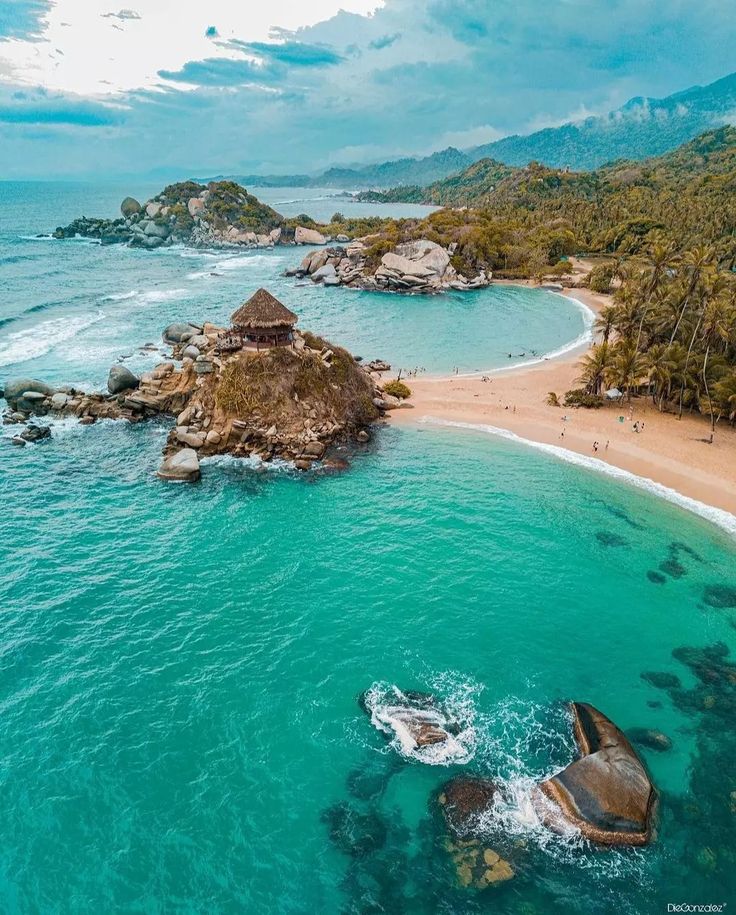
181	665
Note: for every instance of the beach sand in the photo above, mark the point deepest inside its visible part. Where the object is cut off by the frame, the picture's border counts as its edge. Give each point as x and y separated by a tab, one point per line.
669	451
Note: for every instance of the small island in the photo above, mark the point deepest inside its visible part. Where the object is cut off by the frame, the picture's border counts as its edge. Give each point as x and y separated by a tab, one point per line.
259	388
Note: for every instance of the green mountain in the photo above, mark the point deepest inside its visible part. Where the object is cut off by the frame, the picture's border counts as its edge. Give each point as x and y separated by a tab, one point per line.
643	127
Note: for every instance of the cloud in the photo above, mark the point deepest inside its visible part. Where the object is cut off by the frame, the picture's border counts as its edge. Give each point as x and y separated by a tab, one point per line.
39	108
409	77
22	18
122	15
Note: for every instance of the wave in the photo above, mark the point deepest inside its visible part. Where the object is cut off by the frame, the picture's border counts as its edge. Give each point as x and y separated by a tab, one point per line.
718	516
24	345
120	296
162	295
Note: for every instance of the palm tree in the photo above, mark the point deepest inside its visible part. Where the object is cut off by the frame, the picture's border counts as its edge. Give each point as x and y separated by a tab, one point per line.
724	394
606	321
628	366
595	367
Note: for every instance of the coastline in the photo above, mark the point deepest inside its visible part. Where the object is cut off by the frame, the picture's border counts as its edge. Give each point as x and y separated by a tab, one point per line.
669	453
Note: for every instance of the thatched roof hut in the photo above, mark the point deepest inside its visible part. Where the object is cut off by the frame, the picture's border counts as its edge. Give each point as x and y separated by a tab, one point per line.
263	312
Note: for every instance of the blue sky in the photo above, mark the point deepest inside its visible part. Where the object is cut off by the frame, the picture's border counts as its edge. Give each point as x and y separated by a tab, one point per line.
178	87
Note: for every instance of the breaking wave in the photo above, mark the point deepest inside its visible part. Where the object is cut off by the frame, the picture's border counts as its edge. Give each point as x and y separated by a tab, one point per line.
32	342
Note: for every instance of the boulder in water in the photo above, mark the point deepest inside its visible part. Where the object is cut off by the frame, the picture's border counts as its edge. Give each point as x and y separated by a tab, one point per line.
182	467
607	793
650	738
463	801
17	387
35	433
418	726
121	379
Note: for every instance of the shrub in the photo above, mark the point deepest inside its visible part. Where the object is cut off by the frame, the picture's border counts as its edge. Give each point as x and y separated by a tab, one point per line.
600	278
577	397
553	400
397	389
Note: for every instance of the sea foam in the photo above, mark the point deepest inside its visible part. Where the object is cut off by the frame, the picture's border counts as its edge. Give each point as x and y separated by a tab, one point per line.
32	342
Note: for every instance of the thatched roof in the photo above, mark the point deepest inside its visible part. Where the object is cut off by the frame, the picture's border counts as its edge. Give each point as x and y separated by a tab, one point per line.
263	311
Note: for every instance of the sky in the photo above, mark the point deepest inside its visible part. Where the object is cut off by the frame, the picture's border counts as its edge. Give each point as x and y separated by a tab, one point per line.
175	88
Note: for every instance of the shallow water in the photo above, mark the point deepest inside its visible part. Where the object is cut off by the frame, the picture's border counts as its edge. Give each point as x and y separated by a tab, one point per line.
180	665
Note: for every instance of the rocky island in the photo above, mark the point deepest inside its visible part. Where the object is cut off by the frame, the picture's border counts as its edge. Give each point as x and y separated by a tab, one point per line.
219	214
258	388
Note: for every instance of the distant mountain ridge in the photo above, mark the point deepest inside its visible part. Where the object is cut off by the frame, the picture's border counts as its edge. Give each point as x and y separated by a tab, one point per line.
641	128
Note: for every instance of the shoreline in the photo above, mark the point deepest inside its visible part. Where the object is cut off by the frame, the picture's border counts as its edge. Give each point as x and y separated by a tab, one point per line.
672	454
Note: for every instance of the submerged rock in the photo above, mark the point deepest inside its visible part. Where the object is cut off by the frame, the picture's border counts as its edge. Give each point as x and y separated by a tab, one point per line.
607	793
661	679
182	466
650	738
354	833
478	867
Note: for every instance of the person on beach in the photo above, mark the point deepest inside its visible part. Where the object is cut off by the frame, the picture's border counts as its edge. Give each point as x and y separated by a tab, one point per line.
595	446
562	434
607	443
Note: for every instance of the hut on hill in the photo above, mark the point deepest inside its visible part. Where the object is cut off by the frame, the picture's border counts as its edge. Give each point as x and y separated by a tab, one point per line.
263	321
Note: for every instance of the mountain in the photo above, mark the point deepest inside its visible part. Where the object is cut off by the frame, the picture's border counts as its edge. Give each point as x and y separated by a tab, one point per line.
383	175
709	158
643	127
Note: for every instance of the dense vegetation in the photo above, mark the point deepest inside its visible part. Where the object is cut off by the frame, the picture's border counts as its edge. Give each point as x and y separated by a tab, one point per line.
523	221
671	332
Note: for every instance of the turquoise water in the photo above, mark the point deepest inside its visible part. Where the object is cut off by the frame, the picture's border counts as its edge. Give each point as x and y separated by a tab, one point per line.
180	665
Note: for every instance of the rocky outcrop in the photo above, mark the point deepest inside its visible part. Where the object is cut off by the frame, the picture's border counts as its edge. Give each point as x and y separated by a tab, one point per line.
464	801
417	267
606	793
221	214
294	403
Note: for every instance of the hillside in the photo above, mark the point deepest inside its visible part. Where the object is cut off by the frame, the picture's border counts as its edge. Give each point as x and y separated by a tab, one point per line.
643	127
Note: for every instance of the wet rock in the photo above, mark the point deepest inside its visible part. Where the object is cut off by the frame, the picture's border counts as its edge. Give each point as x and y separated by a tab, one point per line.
182	466
607	793
16	387
121	379
650	738
17	440
661	680
352	832
59	401
464	801
33	402
35	433
673	568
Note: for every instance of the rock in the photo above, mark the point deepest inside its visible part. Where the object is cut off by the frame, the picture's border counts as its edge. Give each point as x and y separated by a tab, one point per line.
650	738
363	436
192	439
190	352
201	341
158	230
32	402
121	379
314	450
661	679
302	464
130	207
87	420
203	366
324	273
607	793
343	239
35	433
275	236
195	205
463	801
304	236
213	437
153	209
59	401
179	333
16	387
182	466
478	867
17	440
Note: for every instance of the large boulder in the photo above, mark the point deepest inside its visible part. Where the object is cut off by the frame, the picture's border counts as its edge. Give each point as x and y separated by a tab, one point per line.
607	793
158	230
182	467
304	236
130	207
180	333
16	387
121	379
324	273
195	205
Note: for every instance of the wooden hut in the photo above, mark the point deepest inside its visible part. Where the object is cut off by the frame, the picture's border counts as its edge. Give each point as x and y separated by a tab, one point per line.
263	321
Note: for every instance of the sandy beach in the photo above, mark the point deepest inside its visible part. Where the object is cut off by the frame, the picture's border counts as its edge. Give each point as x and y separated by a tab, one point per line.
672	452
